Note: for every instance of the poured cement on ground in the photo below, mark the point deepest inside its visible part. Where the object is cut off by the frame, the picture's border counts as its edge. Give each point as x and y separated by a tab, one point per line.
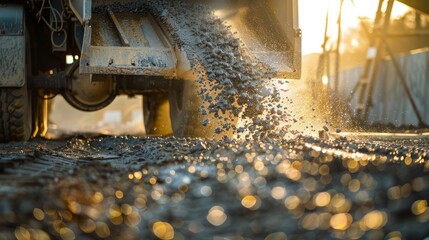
148	188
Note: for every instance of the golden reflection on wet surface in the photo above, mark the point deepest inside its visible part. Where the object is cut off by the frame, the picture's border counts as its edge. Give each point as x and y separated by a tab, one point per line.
216	216
335	189
163	230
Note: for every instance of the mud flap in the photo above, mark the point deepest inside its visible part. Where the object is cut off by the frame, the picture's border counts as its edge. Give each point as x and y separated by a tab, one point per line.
12	46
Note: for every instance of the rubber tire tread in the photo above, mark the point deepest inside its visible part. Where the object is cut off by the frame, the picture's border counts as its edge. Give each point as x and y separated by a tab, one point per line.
158	122
14	115
187	120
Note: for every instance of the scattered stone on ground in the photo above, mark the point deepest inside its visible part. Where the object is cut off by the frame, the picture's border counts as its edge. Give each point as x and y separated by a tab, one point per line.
148	188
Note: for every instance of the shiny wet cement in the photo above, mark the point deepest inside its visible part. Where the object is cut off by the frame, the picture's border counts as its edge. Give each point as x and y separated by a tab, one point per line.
149	188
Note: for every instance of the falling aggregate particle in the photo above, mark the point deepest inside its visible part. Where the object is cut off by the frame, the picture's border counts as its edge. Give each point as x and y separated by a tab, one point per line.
230	82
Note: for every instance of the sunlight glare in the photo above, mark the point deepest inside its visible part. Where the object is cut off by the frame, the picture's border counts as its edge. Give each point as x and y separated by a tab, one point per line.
355	42
313	13
325	80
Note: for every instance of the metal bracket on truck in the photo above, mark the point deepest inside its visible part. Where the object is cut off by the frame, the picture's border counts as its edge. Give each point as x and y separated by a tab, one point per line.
81	9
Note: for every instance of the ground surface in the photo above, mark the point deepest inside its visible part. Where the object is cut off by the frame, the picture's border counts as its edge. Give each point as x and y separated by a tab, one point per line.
93	187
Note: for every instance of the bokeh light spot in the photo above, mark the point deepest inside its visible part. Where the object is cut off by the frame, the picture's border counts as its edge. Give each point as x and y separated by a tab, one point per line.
38	214
375	219
419	207
341	221
278	192
249	201
216	216
322	199
163	230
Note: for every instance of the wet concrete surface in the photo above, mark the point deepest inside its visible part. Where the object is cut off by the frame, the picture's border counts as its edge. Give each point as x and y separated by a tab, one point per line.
95	187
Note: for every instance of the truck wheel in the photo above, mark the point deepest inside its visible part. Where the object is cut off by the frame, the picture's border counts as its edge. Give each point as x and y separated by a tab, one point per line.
186	117
156	115
16	117
183	109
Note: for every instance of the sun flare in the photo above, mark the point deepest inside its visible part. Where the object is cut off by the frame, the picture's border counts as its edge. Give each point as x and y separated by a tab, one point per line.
312	18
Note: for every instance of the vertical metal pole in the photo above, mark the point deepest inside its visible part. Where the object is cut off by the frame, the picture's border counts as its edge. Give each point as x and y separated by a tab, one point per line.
418	21
363	80
404	84
379	55
337	59
328	63
322	65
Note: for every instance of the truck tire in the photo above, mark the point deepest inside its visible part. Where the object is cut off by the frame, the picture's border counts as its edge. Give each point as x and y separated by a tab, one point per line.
156	117
15	114
186	121
186	117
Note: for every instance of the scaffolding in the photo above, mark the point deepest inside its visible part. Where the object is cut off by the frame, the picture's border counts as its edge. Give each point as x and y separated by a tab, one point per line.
378	48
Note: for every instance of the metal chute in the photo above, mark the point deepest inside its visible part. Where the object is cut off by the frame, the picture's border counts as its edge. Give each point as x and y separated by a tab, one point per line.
422	6
269	29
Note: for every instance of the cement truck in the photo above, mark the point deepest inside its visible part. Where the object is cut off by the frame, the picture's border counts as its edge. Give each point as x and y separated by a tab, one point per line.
90	51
